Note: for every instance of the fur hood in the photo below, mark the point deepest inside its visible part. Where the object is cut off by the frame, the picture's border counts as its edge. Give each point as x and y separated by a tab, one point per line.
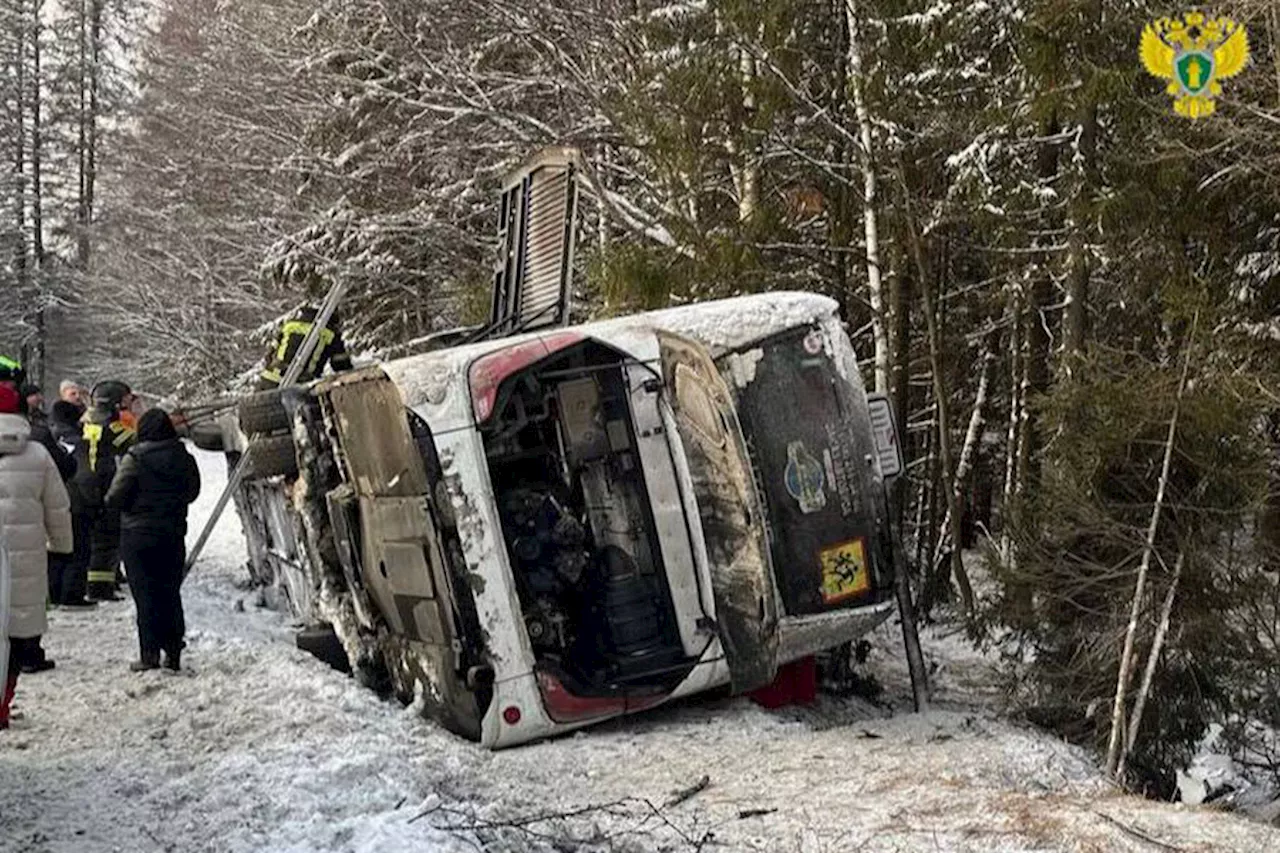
15	432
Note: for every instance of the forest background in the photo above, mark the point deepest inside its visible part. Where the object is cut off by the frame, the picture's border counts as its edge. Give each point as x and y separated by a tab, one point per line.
1071	294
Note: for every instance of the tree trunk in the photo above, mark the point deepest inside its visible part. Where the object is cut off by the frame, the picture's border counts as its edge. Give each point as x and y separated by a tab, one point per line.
899	314
749	169
90	75
1036	354
82	139
1014	431
1037	330
840	216
744	162
925	499
870	200
1153	659
910	630
967	452
19	161
1035	372
1075	315
600	157
1275	45
1075	311
1139	591
37	195
935	585
95	77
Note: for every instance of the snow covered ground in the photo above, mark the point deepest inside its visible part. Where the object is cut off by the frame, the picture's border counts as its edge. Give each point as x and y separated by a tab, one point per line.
259	747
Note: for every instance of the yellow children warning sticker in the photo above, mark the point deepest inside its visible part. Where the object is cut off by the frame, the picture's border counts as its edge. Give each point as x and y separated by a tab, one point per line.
844	570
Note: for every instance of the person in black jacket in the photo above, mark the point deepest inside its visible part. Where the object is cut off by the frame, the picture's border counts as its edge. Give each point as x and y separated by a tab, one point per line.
69	573
42	431
154	484
106	437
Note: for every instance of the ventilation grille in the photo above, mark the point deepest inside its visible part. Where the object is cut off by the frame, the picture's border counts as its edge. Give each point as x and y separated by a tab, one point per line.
536	231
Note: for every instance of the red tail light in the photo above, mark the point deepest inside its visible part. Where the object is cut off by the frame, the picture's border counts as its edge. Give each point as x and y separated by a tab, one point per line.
565	707
488	371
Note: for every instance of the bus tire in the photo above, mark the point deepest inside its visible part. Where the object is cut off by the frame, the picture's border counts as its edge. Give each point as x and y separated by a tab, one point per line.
207	436
264	412
272	456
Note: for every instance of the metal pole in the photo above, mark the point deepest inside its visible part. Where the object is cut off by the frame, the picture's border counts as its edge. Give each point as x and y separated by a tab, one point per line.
907	613
300	358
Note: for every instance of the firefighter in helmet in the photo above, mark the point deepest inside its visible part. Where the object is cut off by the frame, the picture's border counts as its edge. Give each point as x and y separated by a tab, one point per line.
11	371
107	436
329	349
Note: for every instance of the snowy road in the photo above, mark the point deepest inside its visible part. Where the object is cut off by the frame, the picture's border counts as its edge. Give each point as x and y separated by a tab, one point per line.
259	747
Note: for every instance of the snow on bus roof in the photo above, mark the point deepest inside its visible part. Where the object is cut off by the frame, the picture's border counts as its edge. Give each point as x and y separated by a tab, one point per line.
721	324
732	323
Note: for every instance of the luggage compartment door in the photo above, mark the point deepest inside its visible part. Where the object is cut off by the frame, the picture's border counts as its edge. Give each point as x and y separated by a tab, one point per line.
732	523
400	559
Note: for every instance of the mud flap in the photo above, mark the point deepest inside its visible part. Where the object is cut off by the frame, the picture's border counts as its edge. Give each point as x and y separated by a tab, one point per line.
732	521
322	643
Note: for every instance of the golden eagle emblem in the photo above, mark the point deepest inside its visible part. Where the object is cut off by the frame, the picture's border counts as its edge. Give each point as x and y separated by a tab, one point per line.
1194	54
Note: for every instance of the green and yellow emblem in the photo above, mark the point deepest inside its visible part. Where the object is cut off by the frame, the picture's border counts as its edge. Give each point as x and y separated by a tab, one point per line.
1194	53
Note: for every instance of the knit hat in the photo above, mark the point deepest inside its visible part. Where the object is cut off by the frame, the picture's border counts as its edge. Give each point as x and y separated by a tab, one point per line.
10	401
155	425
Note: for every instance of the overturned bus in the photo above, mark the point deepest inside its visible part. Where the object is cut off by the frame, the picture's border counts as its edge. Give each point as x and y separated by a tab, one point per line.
535	526
536	533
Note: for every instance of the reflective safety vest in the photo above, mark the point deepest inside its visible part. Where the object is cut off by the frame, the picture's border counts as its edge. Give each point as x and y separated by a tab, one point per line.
121	437
96	458
329	349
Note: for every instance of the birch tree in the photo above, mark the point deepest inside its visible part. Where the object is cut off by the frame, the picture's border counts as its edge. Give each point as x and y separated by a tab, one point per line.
1117	736
870	198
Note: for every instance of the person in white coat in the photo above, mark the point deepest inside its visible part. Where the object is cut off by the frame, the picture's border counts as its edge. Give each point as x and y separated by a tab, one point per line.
35	518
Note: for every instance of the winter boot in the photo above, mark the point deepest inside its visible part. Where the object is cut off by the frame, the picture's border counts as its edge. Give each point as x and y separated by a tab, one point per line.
32	658
103	592
173	659
79	604
149	660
